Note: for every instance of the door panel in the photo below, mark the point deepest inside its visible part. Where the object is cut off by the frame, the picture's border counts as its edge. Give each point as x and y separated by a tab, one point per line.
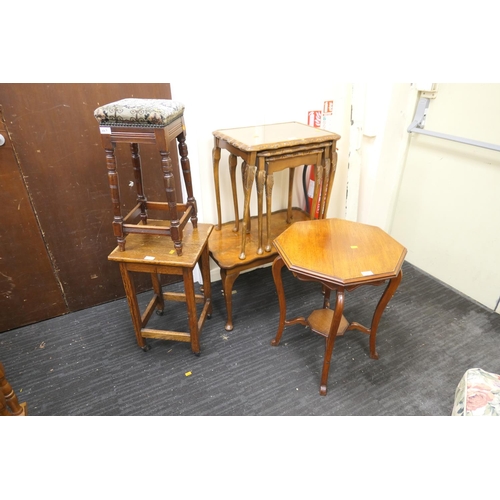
58	146
29	291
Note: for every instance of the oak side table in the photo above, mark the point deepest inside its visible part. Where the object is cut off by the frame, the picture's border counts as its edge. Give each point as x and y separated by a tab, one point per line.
341	255
156	255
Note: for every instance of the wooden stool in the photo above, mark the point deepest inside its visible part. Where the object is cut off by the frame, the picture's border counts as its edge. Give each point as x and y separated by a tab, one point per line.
147	253
148	121
9	405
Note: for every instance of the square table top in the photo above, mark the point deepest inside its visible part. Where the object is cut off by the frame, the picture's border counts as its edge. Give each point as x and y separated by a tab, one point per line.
159	250
275	136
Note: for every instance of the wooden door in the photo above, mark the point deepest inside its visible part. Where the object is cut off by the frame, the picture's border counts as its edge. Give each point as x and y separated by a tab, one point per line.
29	290
61	170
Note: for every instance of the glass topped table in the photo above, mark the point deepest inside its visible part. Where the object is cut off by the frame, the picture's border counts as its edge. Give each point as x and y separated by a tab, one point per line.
266	149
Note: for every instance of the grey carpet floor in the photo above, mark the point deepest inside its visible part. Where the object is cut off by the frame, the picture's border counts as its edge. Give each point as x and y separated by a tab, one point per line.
88	362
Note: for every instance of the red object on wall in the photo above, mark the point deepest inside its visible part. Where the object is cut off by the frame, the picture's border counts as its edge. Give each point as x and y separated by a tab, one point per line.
314	120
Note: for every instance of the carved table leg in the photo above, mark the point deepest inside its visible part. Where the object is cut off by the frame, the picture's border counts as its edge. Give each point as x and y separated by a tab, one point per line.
384	300
233	161
269	198
244	171
278	264
249	179
330	341
317	191
228	280
216	160
291	174
382	304
261	180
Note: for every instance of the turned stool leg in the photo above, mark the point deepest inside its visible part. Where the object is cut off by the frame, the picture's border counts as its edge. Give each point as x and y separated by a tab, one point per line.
136	164
186	172
115	197
9	405
168	179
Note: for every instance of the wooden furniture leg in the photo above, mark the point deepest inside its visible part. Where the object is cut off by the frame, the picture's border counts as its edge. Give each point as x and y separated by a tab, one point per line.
136	164
216	161
278	264
249	180
9	405
168	179
233	161
204	265
186	173
228	280
133	305
261	180
269	197
114	189
330	340
157	288
187	275
291	175
377	315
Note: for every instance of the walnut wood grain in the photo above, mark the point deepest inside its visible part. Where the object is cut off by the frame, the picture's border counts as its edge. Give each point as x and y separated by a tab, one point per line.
341	255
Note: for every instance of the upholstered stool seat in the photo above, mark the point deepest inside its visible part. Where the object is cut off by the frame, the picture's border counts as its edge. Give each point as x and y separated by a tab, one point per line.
147	121
135	112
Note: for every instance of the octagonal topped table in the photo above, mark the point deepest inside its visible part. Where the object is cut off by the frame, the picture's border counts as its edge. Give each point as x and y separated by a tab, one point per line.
341	255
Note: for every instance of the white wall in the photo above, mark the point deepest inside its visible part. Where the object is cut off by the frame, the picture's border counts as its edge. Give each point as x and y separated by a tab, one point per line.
447	211
228	103
379	140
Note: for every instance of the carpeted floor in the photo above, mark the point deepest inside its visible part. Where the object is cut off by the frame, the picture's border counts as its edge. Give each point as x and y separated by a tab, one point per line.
88	362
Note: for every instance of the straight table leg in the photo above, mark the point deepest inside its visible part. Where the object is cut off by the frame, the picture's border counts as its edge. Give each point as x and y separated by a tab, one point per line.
133	304
204	264
187	274
160	303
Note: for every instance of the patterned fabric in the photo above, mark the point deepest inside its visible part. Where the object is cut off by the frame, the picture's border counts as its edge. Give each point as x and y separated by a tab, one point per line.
477	394
139	112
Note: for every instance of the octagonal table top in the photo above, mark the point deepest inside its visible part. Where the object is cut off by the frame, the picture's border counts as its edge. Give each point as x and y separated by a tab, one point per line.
340	252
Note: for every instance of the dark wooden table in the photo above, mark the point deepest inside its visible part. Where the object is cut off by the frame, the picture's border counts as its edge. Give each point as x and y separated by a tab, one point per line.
341	255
